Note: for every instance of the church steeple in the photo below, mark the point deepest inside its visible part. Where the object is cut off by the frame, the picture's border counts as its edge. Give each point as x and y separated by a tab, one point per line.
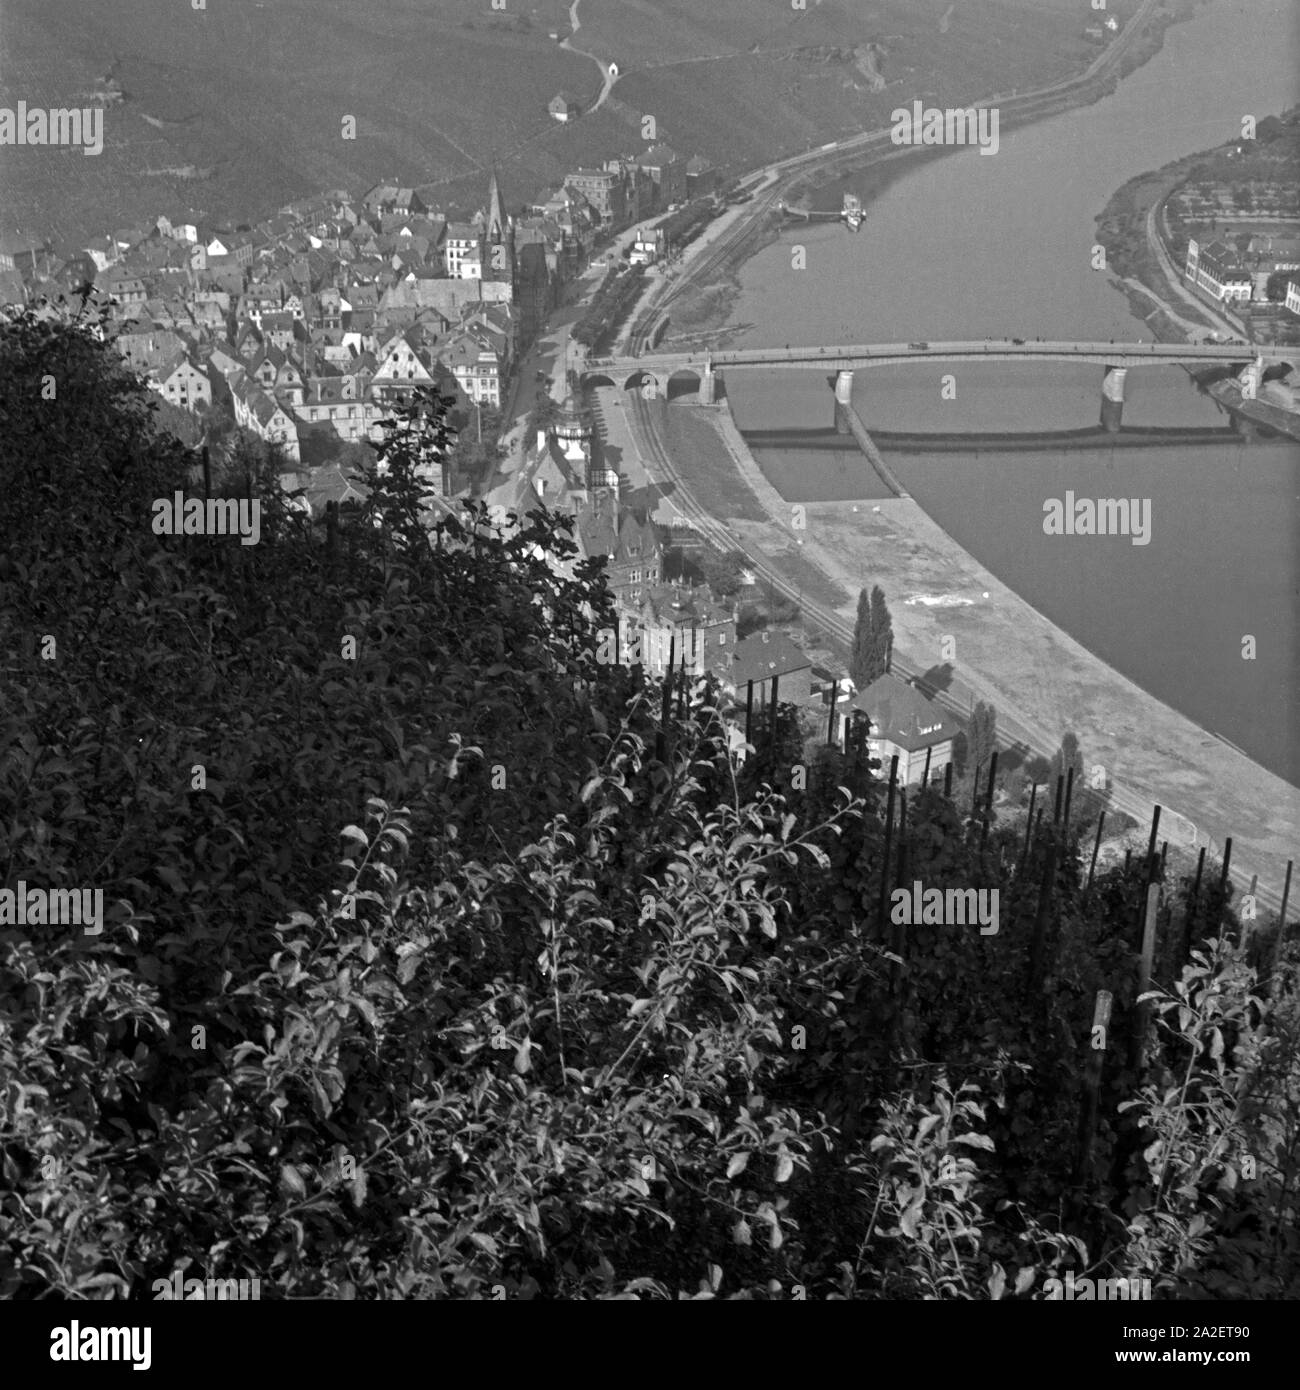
497	222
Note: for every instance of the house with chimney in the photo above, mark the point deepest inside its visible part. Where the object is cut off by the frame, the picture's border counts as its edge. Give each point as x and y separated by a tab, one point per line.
605	190
477	365
334	403
773	662
1216	269
689	623
460	250
627	539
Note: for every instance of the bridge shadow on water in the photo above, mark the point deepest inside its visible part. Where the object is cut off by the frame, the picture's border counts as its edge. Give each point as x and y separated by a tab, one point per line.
829	440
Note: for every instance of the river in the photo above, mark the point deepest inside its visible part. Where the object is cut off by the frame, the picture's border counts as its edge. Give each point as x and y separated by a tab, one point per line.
970	246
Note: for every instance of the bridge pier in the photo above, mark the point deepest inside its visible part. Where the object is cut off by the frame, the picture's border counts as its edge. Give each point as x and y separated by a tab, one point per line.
1112	398
1251	378
708	385
843	401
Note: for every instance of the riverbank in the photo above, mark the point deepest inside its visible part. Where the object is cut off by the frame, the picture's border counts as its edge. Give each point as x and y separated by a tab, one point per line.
1129	227
982	288
1042	682
702	313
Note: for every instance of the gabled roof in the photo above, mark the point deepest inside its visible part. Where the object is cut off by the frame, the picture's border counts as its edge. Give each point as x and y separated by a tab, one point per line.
169	365
765	654
329	483
901	714
264	407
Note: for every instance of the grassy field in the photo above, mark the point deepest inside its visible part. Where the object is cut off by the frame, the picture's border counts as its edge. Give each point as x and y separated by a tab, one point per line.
238	108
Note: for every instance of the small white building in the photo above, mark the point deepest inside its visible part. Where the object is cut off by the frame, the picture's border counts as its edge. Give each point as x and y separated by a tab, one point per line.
563	107
648	247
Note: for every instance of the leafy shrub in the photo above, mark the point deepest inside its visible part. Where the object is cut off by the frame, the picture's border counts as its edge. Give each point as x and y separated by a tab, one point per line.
462	964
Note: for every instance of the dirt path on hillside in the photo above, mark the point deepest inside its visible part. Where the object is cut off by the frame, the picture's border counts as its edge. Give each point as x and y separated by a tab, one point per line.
608	71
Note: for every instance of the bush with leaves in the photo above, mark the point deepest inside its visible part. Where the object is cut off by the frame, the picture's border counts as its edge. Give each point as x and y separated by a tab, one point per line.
442	958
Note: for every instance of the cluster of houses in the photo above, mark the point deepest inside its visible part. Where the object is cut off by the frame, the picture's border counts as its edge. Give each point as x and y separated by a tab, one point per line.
630	187
306	326
570	473
309	325
311	322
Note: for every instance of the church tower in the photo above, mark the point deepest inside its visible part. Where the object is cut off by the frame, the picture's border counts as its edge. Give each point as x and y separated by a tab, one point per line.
573	431
497	222
498	237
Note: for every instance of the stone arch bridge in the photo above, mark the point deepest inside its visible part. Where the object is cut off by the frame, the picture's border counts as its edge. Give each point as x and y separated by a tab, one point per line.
656	373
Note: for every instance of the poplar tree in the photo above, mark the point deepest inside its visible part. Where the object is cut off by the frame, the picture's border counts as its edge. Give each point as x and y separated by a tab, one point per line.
873	638
882	633
1067	756
860	656
983	737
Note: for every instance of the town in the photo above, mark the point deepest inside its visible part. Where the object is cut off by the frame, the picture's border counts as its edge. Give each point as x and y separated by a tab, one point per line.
306	329
627	676
303	326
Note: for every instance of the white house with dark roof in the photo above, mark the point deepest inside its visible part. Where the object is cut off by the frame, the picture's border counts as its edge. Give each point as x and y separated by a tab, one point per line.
905	722
179	381
460	248
1217	270
104	251
256	411
564	108
699	631
334	401
476	364
403	365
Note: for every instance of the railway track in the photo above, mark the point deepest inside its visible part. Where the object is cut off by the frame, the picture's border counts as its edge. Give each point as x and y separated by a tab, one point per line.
769	186
1012	729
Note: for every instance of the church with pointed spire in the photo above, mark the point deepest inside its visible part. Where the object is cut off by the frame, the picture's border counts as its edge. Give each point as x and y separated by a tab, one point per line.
498	236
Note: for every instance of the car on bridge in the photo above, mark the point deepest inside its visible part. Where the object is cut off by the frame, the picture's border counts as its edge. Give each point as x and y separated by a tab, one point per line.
919	347
1019	342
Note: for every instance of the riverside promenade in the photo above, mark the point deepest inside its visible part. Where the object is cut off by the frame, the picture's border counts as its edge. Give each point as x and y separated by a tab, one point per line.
1041	680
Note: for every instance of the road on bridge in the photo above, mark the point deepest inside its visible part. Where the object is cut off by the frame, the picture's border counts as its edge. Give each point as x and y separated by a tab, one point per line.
849	356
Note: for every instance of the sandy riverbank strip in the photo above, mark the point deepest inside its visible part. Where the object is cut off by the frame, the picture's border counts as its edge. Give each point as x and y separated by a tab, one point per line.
1009	654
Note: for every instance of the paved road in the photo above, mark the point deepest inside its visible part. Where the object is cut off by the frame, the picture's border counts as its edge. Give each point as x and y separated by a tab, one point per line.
989	349
1175	281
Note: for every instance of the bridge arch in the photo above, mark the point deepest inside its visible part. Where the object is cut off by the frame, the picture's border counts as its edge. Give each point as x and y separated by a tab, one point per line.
641	378
685	381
